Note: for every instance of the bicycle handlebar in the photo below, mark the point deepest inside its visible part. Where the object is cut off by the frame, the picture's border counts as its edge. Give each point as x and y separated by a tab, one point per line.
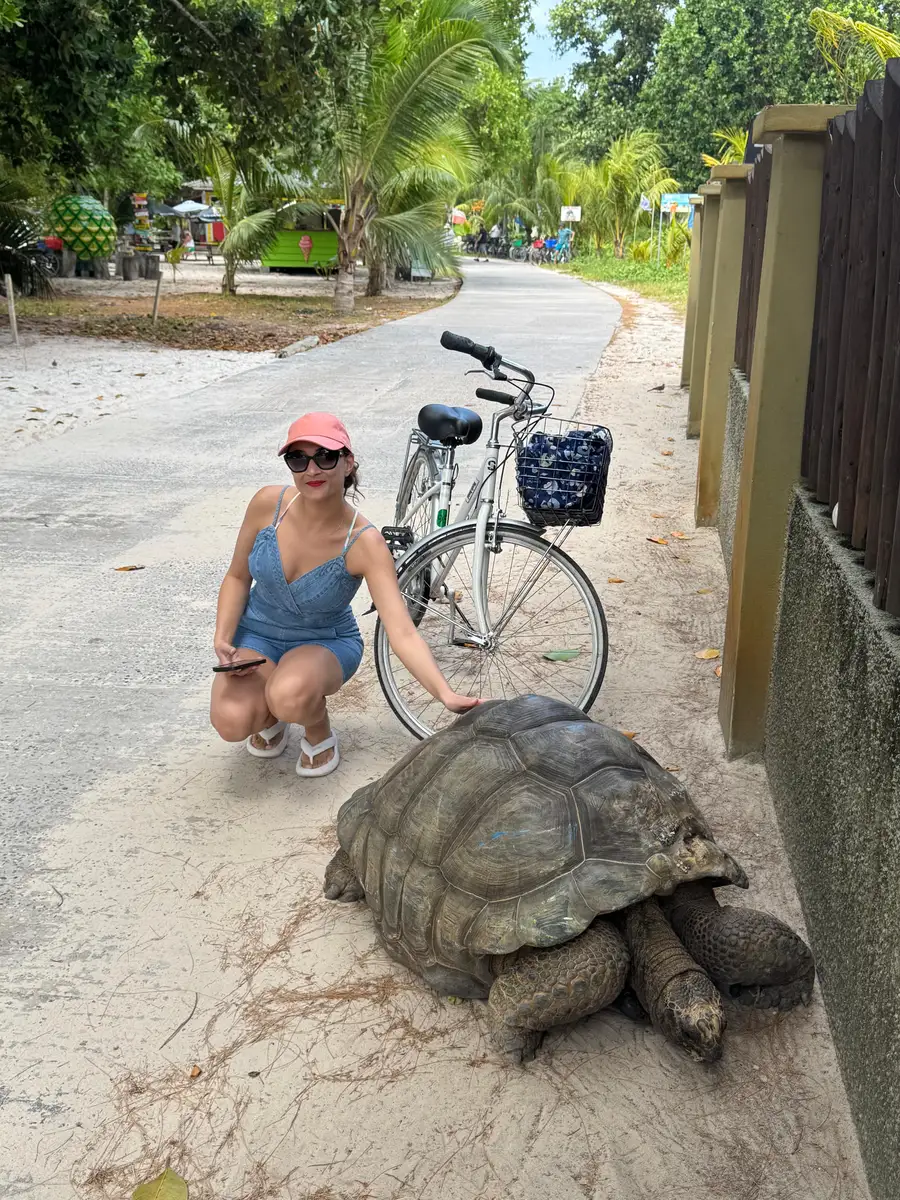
493	394
486	355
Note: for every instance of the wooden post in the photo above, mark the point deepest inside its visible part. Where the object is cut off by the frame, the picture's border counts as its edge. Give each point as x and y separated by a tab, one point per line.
693	291
710	193
156	297
726	286
11	306
775	413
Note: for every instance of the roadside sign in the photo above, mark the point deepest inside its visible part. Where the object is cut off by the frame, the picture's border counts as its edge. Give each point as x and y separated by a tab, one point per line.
675	202
570	212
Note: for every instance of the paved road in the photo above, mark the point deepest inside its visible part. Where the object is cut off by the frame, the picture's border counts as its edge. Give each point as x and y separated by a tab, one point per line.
98	665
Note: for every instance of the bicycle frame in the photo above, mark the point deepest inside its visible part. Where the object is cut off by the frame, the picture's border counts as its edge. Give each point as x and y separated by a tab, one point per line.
480	500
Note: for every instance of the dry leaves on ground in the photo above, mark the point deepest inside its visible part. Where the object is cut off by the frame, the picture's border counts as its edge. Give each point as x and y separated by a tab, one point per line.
658	541
707	654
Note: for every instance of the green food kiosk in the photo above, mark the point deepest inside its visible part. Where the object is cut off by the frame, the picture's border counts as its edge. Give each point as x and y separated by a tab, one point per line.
312	247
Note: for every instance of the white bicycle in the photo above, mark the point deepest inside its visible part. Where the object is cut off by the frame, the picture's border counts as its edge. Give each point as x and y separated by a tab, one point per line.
504	611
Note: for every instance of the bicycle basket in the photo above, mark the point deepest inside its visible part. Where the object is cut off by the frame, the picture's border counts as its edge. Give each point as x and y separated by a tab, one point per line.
561	471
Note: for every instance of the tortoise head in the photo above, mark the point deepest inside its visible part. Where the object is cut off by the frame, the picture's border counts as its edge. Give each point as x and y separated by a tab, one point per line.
694	857
691	1015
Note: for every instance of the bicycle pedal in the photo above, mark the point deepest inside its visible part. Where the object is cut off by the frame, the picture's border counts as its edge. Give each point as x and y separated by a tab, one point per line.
398	537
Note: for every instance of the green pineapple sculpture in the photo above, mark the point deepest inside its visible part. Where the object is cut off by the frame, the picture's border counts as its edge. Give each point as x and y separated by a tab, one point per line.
84	225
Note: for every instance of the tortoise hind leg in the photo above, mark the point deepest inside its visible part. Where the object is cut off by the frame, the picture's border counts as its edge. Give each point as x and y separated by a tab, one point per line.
538	989
755	959
340	880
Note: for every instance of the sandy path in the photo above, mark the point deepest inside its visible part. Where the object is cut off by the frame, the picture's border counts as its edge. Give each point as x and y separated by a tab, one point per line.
182	921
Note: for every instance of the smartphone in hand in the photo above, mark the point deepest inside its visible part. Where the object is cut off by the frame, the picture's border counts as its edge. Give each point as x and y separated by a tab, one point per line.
241	666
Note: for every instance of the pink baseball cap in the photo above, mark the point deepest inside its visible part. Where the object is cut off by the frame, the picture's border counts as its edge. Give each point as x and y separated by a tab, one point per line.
322	429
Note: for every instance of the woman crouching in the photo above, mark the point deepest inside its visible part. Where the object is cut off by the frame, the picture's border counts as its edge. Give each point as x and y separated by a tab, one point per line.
300	557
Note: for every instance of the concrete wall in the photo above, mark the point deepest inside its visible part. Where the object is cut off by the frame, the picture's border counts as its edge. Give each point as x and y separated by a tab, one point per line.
732	457
833	758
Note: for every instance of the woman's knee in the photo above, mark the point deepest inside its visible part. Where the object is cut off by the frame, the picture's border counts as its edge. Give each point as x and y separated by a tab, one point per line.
233	722
291	698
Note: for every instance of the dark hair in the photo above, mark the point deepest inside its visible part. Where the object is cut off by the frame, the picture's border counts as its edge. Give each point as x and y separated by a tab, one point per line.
351	481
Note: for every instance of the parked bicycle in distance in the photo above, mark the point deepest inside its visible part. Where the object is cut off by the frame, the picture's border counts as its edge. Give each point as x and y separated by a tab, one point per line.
504	610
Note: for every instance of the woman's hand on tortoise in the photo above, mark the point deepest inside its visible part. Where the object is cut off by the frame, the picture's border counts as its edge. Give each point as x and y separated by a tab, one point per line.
459	704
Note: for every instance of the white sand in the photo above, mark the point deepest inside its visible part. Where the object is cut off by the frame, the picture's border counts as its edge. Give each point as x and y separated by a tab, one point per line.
59	383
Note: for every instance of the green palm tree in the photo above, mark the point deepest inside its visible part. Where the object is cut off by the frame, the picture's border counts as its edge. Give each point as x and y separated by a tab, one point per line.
610	191
732	146
254	196
534	190
855	50
398	153
19	232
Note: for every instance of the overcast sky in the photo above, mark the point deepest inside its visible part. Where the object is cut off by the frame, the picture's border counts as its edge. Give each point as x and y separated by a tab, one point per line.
543	61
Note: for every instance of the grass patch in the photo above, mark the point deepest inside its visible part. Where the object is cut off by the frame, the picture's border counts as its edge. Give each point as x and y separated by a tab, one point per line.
654	282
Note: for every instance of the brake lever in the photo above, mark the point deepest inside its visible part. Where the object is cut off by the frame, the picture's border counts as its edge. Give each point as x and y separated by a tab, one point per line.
493	374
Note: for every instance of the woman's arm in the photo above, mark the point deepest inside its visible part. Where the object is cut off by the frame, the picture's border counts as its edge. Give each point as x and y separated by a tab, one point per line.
236	584
380	575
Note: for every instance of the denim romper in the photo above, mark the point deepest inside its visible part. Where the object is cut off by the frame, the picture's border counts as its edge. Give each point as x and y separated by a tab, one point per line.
314	610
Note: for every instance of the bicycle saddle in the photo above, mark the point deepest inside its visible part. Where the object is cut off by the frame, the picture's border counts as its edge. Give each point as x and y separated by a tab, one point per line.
450	426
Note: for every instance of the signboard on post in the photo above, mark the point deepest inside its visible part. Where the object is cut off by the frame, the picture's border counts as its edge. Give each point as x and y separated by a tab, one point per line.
675	202
570	212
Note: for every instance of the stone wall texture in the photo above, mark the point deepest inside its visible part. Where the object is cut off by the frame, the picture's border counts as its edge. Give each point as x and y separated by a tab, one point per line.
732	458
833	759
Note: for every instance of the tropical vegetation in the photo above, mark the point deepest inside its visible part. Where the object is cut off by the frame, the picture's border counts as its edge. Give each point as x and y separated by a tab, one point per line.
404	111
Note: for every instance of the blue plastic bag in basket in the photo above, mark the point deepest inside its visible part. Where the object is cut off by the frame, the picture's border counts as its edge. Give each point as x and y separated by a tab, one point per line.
565	474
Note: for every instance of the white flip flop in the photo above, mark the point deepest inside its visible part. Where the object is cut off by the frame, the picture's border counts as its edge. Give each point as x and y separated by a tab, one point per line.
268	734
329	743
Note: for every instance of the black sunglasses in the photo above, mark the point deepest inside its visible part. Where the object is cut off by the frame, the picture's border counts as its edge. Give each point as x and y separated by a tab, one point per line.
325	460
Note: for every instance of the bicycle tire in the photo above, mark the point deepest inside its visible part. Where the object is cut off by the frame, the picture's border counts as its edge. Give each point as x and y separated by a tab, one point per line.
457	539
422	460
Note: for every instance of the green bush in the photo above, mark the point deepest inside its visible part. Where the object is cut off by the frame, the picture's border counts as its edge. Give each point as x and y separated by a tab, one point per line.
639	251
641	275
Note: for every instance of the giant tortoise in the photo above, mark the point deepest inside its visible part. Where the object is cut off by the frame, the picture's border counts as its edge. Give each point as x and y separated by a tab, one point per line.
517	856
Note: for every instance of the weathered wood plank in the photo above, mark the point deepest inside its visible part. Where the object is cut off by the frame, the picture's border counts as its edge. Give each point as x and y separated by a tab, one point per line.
890	146
844	129
874	550
860	295
812	422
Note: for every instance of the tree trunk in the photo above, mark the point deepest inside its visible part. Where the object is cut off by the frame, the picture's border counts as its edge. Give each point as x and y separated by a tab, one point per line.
378	276
229	287
344	295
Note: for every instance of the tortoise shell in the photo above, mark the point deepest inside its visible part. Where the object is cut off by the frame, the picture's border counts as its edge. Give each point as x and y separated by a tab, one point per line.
517	826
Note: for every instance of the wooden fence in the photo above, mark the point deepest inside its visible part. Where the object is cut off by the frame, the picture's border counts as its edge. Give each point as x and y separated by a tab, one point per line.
851	439
751	264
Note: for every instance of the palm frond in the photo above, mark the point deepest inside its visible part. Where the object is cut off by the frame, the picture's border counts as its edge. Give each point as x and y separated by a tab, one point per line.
855	50
417	234
251	236
19	233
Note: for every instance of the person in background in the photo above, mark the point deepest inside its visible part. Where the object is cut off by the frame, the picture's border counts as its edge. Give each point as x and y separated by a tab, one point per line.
495	235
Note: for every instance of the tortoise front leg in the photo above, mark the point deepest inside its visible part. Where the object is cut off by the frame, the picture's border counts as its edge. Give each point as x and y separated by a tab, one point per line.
340	880
754	958
682	1000
538	989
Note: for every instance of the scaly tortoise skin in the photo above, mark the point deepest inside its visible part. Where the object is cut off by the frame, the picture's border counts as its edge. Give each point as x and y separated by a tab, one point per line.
515	857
